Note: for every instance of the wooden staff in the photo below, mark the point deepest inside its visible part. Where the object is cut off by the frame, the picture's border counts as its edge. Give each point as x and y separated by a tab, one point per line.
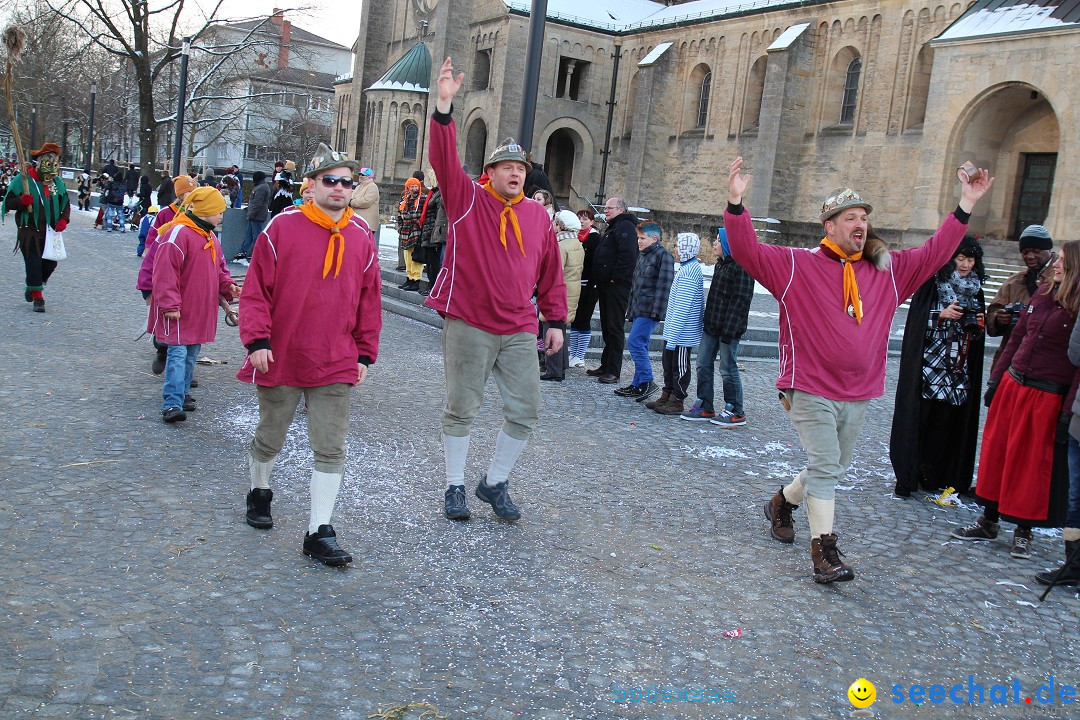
14	41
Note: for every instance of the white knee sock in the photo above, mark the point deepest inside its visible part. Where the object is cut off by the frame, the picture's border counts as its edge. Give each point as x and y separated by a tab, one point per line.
795	491
260	472
455	451
820	514
324	492
507	450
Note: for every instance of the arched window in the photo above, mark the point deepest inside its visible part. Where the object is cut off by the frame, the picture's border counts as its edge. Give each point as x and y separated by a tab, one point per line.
755	90
703	101
851	92
412	132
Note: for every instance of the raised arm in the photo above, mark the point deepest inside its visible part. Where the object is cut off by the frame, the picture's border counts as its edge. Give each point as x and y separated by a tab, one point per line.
447	85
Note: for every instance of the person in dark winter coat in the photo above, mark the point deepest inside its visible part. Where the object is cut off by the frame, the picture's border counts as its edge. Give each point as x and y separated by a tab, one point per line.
145	192
537	179
432	233
113	193
653	273
166	194
283	195
581	327
258	212
611	274
110	169
131	179
936	421
727	309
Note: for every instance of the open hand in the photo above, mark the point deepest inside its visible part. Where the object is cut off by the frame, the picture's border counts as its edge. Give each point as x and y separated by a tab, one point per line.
448	85
737	182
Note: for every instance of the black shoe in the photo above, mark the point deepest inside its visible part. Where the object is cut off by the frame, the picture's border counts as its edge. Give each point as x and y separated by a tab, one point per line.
424	293
608	379
158	366
597	372
546	376
258	508
499	499
412	286
454	503
194	383
189	404
648	390
240	256
323	546
173	414
628	391
28	296
399	268
39	304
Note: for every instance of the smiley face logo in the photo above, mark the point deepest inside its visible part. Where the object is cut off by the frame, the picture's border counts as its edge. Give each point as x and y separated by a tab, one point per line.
862	693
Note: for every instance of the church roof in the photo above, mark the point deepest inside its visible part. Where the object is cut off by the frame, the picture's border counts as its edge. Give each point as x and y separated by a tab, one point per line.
412	71
619	16
1005	17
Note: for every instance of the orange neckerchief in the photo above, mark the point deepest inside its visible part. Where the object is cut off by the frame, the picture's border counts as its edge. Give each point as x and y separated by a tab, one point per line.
315	214
508	211
183	219
851	287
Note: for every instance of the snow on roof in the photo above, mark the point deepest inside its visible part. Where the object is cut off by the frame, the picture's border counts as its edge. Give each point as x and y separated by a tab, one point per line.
788	36
412	72
992	17
625	15
654	54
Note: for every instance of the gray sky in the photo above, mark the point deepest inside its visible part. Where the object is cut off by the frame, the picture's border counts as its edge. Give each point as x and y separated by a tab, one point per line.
337	20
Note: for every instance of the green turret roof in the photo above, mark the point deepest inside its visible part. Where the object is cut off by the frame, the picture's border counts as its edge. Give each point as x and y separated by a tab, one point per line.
412	72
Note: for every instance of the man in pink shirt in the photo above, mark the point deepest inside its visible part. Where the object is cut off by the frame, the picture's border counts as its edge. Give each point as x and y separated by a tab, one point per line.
837	303
500	246
311	318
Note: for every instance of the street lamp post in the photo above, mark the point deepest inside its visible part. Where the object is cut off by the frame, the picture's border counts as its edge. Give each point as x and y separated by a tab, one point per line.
178	145
90	135
33	126
533	52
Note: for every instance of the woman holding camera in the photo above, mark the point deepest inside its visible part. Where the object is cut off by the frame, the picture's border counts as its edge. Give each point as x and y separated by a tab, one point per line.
1023	466
936	420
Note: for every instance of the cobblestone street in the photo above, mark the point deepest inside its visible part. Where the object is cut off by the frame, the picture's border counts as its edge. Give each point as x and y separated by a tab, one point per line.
132	587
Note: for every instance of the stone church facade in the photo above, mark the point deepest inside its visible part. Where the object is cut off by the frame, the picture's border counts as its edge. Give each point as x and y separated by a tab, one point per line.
886	96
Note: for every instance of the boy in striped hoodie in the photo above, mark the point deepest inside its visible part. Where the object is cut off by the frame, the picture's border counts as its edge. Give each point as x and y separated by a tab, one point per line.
682	323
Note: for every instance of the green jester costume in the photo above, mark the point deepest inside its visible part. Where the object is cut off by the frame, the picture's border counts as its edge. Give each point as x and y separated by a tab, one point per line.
39	200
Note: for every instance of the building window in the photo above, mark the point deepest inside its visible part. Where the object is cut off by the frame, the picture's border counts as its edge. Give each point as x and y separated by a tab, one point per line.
412	132
481	79
851	92
571	79
341	140
703	101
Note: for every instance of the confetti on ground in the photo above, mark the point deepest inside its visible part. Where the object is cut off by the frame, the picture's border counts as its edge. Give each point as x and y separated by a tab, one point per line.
737	632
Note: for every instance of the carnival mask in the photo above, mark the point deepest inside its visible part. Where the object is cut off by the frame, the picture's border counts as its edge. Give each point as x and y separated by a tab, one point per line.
48	167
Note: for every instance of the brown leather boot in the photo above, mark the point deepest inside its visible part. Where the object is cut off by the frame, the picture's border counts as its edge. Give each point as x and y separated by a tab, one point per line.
664	398
674	407
828	567
778	512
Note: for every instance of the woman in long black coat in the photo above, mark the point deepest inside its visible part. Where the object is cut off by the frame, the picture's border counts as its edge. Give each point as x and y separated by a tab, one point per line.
936	420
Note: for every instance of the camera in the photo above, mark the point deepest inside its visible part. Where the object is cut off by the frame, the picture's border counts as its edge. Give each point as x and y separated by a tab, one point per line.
1014	309
969	321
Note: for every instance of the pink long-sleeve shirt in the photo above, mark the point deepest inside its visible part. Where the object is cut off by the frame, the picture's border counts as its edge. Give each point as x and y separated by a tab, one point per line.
823	350
145	280
481	282
188	278
317	327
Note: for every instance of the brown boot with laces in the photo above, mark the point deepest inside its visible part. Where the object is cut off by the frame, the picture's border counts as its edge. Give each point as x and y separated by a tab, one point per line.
778	512
828	567
664	399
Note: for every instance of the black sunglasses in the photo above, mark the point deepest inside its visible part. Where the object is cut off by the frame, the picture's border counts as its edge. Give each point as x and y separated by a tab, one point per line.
332	180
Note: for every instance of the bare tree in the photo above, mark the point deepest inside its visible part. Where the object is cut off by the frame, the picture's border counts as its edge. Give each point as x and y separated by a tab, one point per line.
147	37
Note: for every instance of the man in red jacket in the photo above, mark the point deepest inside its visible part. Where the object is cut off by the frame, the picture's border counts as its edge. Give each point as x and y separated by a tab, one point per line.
499	247
311	319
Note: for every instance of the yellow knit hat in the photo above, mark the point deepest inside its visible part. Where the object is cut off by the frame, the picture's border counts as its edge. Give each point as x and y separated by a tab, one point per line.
205	202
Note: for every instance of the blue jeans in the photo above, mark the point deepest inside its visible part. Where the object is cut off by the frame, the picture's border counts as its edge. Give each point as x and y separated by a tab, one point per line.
729	370
638	344
114	214
179	366
253	229
1072	519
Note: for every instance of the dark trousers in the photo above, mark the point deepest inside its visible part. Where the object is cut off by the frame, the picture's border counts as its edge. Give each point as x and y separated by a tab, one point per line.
37	269
677	371
614	298
585	308
555	365
433	262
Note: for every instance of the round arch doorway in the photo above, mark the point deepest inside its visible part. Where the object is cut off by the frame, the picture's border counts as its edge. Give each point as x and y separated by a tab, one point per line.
1013	130
559	159
475	146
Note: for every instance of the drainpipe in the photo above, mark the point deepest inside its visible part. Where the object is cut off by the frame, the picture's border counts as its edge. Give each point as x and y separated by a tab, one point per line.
600	193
